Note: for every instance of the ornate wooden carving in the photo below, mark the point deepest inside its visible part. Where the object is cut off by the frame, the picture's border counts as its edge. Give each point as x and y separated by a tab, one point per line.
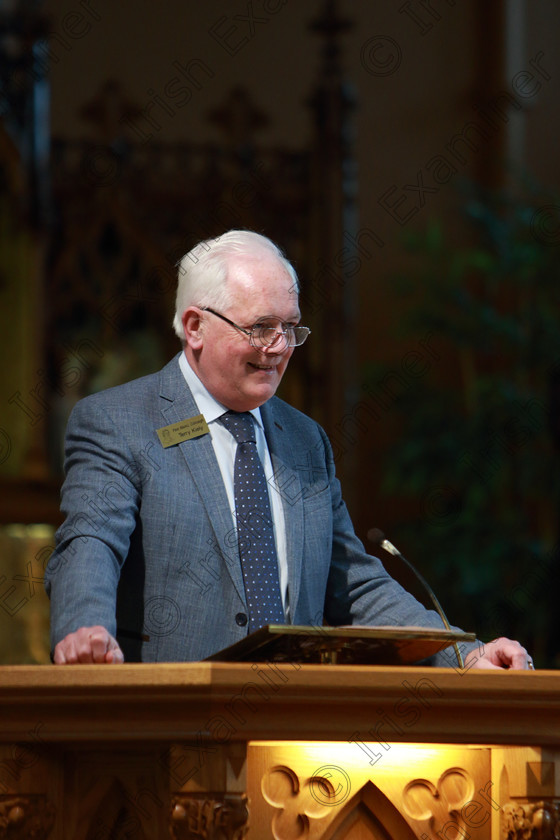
369	814
24	817
296	802
209	816
121	227
330	292
333	792
531	820
439	804
24	101
116	815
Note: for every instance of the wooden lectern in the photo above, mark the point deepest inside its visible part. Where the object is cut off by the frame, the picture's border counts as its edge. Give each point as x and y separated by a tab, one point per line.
287	751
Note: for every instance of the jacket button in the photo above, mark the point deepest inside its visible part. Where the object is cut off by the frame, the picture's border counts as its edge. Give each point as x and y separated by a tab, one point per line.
241	619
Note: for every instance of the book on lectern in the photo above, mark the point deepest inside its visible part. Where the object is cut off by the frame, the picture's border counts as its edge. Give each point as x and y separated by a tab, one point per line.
352	645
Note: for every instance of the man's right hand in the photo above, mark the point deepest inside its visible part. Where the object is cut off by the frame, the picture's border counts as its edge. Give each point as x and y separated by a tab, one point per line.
88	645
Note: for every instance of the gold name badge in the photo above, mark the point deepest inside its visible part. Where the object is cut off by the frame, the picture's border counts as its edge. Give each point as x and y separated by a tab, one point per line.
184	430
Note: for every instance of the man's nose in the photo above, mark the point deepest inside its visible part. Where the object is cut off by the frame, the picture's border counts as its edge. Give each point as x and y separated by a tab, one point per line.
277	345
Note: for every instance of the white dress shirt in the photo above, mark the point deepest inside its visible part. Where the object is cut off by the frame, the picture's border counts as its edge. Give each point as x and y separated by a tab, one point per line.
225	447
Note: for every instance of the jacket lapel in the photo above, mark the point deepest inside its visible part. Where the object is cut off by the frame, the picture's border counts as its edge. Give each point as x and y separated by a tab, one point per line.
288	484
202	464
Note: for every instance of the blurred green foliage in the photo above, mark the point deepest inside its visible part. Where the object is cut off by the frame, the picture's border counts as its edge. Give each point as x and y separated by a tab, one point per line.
477	455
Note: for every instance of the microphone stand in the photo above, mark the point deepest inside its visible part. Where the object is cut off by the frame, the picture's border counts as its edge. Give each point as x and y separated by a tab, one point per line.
378	537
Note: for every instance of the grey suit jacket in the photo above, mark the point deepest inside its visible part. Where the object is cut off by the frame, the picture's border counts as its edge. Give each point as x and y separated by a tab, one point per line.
148	548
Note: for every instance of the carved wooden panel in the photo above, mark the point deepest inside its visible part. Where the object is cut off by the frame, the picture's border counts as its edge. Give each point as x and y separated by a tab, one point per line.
209	816
25	816
531	820
115	794
318	790
29	789
529	782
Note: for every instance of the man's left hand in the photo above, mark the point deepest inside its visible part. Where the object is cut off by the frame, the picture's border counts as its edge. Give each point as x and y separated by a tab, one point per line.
499	654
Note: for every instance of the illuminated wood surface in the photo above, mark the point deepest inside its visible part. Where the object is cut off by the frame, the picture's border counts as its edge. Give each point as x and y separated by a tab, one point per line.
103	751
155	702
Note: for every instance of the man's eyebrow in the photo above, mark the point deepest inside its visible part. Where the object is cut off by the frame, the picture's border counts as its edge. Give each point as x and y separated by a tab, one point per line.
295	320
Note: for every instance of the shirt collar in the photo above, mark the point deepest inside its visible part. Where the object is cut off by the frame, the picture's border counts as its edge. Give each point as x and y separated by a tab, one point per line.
208	405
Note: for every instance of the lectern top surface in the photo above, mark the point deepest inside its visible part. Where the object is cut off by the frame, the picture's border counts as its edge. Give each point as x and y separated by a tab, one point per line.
351	645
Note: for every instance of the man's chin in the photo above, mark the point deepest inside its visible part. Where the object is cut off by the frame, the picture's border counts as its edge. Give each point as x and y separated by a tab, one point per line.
258	394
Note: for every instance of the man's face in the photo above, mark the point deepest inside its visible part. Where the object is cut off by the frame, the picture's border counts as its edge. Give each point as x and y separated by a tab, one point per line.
235	373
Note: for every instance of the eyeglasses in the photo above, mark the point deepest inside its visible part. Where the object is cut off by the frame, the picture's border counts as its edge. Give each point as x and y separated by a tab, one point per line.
264	336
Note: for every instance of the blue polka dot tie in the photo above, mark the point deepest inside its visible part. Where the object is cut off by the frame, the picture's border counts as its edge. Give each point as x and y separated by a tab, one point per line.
255	533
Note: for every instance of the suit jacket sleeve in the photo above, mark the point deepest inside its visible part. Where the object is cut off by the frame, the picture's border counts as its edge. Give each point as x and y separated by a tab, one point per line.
360	590
92	544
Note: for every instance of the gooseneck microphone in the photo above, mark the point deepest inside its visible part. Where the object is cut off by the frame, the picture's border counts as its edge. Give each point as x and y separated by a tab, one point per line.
375	535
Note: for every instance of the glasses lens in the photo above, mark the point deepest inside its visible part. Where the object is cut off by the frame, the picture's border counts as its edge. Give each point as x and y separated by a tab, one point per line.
268	336
264	336
299	335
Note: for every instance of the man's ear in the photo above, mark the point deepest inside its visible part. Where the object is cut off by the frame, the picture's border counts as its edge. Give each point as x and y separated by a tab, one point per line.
192	327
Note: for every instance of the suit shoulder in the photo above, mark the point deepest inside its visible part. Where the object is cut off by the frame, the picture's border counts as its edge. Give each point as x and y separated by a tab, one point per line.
286	414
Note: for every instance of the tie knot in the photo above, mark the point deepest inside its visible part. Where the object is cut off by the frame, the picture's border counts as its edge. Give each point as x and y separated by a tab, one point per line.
240	424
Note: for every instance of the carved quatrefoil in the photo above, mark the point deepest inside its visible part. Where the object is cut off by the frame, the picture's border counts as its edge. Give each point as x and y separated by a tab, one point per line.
422	800
296	803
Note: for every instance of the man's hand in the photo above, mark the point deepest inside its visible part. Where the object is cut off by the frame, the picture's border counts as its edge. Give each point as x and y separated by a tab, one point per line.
501	653
88	645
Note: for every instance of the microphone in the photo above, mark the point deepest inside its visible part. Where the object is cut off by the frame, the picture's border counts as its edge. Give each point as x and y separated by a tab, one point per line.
376	535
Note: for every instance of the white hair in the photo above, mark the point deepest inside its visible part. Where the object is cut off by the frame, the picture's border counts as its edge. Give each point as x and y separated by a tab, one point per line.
202	276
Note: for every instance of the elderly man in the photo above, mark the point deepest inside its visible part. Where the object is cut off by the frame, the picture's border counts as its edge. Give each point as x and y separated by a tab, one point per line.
199	506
